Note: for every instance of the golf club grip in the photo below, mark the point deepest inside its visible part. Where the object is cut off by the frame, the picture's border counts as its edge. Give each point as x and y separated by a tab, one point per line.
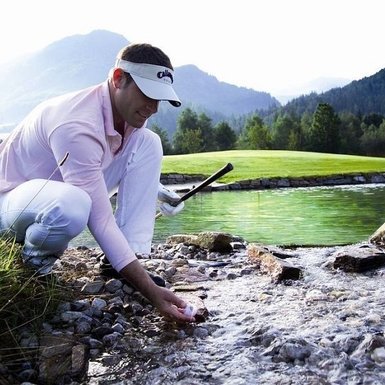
224	170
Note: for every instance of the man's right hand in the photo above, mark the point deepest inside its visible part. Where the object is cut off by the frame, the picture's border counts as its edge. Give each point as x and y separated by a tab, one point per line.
168	304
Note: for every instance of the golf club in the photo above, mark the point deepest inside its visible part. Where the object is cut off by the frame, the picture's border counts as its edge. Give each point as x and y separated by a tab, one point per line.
224	170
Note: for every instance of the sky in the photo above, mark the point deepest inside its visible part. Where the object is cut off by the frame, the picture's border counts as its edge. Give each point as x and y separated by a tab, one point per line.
276	46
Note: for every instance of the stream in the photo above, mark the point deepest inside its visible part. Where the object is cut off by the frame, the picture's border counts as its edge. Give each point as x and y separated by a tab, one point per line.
326	328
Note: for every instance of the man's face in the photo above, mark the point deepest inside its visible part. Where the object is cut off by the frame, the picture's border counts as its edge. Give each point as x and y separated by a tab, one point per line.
131	104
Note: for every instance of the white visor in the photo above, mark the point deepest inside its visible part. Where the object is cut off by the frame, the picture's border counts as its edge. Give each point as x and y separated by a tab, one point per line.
153	80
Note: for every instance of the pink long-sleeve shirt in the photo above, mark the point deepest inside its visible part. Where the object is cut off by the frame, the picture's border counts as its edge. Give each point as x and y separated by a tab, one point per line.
80	123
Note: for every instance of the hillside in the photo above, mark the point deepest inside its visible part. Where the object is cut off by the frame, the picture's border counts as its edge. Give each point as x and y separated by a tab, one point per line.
69	64
83	60
365	96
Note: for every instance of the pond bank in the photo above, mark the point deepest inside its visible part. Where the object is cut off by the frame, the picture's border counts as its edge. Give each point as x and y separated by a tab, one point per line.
271	183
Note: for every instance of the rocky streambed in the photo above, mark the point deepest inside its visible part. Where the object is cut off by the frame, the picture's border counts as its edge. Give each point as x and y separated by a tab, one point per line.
269	315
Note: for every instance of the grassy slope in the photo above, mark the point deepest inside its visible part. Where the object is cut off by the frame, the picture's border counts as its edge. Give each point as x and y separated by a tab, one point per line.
254	164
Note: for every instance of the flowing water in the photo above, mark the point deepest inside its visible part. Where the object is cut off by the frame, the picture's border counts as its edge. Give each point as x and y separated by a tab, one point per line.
327	328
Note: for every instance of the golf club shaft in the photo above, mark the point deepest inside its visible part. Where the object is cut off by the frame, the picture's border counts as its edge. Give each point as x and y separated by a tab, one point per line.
224	170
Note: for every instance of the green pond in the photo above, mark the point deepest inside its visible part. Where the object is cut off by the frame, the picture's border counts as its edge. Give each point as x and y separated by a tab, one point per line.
290	216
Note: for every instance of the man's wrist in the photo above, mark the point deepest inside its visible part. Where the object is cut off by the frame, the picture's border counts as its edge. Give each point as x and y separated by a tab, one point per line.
140	279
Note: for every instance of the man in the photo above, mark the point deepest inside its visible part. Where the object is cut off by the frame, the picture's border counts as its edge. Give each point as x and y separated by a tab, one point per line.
60	166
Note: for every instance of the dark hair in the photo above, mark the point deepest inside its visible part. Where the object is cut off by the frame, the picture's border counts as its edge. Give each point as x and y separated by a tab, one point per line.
144	53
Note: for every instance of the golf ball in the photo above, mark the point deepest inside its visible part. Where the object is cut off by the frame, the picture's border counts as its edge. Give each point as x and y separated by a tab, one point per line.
190	310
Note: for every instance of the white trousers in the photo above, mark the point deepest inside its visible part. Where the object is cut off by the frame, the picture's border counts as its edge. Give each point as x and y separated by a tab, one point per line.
46	215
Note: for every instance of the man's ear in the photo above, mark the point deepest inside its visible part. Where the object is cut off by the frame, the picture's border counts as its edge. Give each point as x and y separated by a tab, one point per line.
118	78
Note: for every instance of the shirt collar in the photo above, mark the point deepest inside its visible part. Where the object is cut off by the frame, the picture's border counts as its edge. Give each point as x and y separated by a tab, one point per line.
107	111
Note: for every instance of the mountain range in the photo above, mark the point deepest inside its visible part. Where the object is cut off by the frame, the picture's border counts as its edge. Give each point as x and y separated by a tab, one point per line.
80	61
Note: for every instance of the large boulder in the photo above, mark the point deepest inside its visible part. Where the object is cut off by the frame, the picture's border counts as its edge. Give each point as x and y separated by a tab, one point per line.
273	263
211	240
359	258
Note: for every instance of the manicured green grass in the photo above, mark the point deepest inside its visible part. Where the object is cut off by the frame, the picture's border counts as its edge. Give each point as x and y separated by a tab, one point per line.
254	164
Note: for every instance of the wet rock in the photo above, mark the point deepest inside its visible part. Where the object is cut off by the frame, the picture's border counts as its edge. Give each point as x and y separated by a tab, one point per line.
378	237
202	312
185	287
83	327
279	269
201	332
231	276
113	285
69	316
378	356
118	328
188	275
169	272
295	350
27	375
93	343
93	287
111	339
79	361
98	303
369	344
152	332
100	331
59	357
263	336
359	258
80	305
213	241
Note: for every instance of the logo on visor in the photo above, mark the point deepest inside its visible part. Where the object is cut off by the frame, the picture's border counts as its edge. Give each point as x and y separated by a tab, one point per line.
165	73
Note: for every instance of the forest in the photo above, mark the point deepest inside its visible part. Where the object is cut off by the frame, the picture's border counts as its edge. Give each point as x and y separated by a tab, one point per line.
324	130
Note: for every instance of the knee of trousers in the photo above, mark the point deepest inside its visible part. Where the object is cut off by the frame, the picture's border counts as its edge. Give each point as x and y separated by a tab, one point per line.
69	211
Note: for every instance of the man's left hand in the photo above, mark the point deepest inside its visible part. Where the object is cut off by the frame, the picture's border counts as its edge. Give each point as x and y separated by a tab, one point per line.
167	198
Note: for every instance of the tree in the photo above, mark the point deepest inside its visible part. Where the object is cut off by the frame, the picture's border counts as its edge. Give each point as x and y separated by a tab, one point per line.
295	139
375	119
188	142
286	132
324	131
188	136
167	148
255	135
188	119
205	125
350	133
373	140
306	122
224	136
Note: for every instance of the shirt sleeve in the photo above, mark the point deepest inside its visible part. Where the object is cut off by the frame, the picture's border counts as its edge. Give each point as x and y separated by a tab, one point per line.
83	169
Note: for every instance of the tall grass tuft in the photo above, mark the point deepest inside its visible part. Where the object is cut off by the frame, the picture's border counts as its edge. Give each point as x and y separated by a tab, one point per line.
26	301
